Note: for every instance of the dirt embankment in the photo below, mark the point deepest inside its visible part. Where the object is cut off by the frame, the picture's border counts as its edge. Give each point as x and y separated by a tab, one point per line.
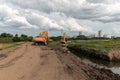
114	55
29	62
81	71
108	55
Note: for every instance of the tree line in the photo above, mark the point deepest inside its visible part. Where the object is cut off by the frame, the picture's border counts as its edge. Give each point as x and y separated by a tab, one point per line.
7	37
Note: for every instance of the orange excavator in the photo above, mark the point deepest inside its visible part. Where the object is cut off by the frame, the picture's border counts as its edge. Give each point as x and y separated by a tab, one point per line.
41	39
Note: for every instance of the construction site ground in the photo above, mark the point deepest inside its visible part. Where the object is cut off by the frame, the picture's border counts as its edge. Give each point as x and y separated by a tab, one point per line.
30	62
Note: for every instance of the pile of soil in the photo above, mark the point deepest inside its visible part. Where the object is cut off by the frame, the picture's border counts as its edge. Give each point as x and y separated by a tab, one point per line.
114	55
90	52
107	55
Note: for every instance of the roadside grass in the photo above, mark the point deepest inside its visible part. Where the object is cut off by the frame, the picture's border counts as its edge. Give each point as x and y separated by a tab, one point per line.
55	43
107	45
8	45
6	40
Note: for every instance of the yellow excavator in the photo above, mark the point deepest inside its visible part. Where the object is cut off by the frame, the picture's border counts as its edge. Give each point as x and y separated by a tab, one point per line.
41	39
64	40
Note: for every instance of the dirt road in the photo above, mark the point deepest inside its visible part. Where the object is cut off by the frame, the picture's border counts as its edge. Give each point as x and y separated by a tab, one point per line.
29	62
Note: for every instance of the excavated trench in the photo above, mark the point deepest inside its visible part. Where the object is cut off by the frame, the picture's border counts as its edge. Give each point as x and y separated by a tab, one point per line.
101	59
75	65
107	55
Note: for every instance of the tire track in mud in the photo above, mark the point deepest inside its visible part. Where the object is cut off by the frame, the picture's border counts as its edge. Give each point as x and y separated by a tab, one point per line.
4	55
41	64
12	61
62	71
46	63
10	50
66	68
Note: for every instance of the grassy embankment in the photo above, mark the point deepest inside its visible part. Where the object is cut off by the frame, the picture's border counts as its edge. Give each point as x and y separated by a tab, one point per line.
54	43
105	50
102	45
99	49
7	43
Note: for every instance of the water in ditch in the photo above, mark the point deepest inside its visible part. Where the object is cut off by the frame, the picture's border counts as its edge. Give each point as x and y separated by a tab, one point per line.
113	66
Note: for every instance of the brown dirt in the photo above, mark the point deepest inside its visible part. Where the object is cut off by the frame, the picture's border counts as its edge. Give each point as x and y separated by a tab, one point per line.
29	62
114	54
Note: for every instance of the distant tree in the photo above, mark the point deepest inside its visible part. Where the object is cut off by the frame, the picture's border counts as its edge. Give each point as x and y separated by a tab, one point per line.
117	38
99	38
16	35
22	38
23	35
82	37
30	38
16	38
6	35
58	38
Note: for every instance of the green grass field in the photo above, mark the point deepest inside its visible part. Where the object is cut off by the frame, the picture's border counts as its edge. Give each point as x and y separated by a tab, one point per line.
6	40
8	45
107	45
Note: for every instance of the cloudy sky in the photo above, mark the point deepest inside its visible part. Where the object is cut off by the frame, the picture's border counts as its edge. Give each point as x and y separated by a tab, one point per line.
70	16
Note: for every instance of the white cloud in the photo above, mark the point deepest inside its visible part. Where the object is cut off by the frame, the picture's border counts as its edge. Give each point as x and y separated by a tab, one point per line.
11	17
74	25
60	14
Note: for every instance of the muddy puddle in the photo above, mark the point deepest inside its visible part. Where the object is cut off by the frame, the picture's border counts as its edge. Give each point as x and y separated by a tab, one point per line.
2	56
113	66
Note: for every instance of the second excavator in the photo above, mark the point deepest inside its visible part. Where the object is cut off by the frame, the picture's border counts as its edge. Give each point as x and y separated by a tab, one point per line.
64	39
